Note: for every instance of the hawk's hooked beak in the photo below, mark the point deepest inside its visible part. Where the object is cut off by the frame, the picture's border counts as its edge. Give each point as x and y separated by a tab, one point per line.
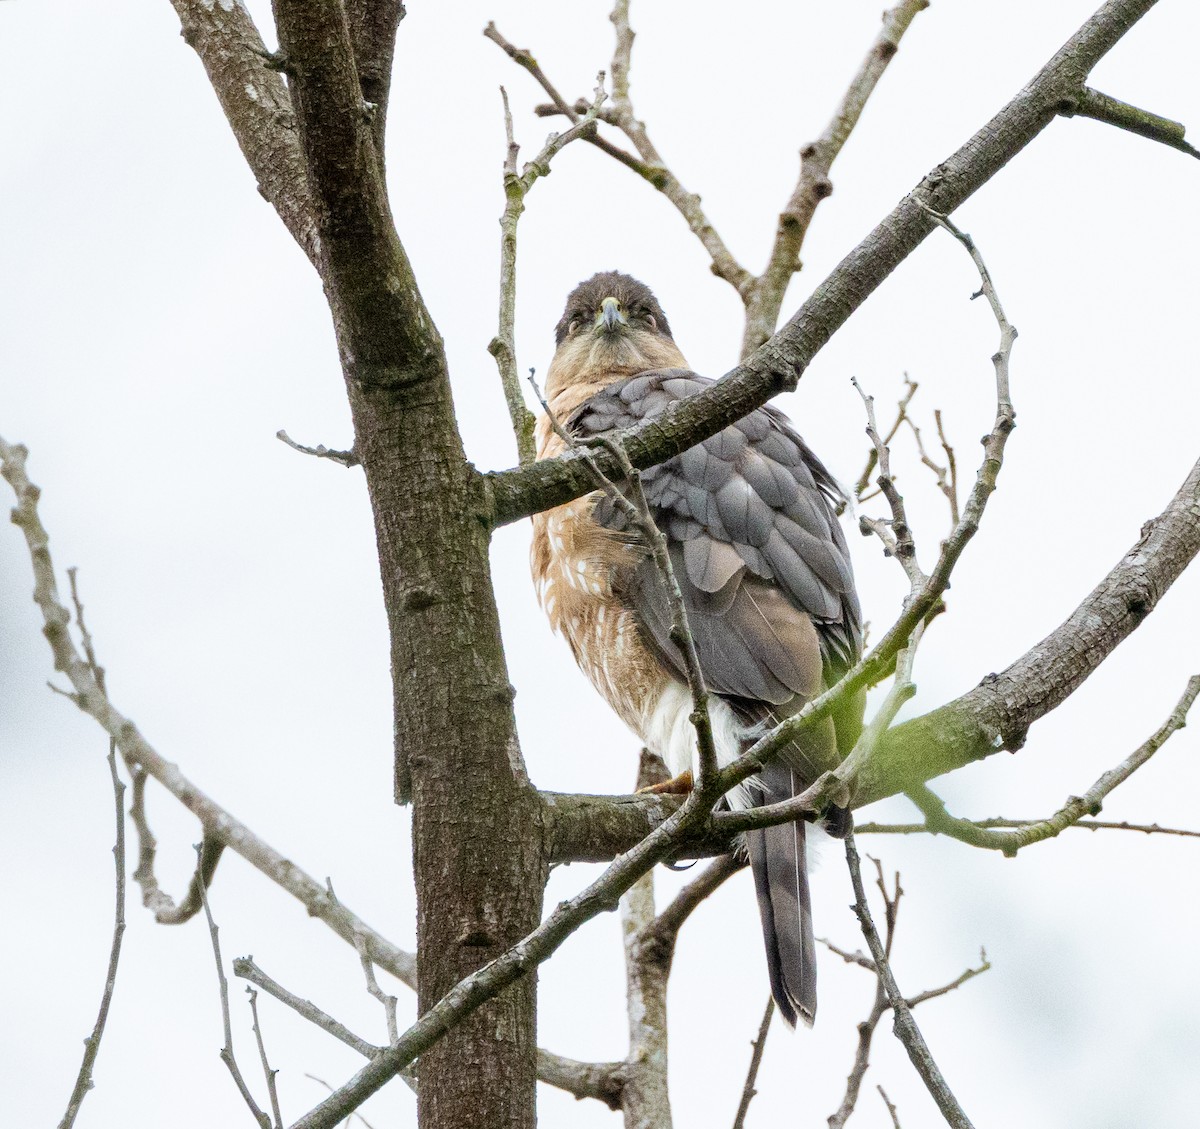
610	317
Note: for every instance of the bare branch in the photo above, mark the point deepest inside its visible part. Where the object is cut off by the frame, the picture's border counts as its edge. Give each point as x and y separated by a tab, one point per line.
724	265
268	1073
388	1001
227	1055
890	1108
1078	825
1089	103
604	1081
758	1046
778	365
879	1005
245	968
320	451
864	479
219	825
1009	841
896	534
560	106
373	25
474	990
91	1045
997	714
969	974
905	1028
856	957
645	1099
816	160
516	187
258	107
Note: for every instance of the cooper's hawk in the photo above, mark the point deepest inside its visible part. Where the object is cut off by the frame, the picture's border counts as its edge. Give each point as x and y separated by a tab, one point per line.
764	572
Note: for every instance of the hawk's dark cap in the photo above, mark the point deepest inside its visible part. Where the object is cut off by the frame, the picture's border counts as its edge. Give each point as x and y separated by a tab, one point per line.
636	298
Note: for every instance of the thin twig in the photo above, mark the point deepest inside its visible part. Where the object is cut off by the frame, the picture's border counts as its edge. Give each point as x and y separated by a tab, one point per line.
320	451
154	898
217	822
1091	103
1078	825
516	187
389	1002
268	1073
816	160
857	957
91	1045
649	163
940	473
526	60
953	985
758	1046
864	479
879	1005
246	969
898	540
227	1055
866	1029
1010	840
905	1027
890	1108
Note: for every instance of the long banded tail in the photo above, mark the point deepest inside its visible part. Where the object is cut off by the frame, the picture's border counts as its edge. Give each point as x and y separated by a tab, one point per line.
777	860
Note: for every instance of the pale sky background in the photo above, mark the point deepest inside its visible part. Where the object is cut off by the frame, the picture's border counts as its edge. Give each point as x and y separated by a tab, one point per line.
158	327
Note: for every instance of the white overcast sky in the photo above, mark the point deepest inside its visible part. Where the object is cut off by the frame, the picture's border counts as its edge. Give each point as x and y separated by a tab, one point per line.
158	327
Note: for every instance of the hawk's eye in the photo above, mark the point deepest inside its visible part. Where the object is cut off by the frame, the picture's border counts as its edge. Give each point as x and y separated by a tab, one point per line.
650	321
573	326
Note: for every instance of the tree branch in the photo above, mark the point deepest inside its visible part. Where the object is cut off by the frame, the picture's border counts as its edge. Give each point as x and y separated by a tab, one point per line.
1009	841
480	986
758	1046
138	752
816	160
320	451
268	1073
906	1029
997	714
667	924
91	1045
373	25
385	335
227	1055
516	187
778	365
993	717
560	105
256	103
1078	825
1092	104
246	969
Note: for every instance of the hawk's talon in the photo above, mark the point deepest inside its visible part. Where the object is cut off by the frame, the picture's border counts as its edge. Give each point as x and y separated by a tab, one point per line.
679	785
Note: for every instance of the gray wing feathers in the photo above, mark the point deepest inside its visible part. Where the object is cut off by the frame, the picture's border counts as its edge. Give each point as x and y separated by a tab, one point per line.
750	503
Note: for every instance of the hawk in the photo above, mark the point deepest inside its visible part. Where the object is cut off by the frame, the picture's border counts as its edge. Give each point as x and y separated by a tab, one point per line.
764	572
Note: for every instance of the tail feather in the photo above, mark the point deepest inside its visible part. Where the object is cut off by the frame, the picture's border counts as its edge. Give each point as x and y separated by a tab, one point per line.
777	860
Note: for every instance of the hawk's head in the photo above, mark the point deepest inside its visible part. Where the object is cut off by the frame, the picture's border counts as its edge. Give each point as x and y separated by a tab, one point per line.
612	326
